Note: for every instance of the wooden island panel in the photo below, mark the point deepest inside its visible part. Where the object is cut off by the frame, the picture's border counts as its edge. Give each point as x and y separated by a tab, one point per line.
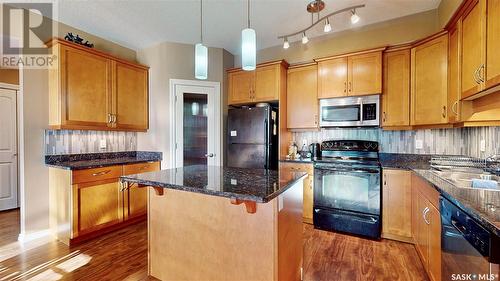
196	236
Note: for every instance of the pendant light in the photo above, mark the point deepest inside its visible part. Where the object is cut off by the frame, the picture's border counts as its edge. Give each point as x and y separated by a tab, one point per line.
248	45
201	53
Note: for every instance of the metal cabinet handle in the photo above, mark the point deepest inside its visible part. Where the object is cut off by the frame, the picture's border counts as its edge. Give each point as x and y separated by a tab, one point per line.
345	86
481	73
475	76
114	118
426	211
101	173
110	119
316	119
444	111
350	86
454	108
384	116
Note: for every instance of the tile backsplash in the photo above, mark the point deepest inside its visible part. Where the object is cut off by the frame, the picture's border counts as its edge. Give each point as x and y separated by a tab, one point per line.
75	142
462	141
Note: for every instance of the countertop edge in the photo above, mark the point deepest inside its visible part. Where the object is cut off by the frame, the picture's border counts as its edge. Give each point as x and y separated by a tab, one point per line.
93	166
230	195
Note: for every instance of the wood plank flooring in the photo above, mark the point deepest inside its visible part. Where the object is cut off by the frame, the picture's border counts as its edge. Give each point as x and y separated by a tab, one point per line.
122	255
9	226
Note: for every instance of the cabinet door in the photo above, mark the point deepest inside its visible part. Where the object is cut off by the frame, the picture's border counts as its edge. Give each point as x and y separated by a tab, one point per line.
493	44
429	91
308	188
98	205
365	74
434	229
241	85
332	78
422	239
454	86
130	97
267	83
396	220
472	49
302	101
136	198
86	91
396	93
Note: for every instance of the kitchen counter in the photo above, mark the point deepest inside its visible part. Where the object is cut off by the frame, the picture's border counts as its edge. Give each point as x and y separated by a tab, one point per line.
405	161
256	185
97	160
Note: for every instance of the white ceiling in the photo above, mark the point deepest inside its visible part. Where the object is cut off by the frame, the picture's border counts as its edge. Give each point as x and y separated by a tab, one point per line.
138	24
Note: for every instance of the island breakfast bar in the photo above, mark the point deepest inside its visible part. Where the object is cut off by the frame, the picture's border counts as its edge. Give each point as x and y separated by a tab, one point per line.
219	223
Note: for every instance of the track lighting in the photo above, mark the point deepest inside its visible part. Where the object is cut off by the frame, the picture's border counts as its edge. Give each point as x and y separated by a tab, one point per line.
354	17
286	45
327	27
304	38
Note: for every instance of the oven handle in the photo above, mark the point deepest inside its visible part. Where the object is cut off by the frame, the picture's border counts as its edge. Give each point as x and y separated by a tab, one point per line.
351	170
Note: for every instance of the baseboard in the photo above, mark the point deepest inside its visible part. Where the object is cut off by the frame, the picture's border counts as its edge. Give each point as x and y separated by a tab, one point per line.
28	237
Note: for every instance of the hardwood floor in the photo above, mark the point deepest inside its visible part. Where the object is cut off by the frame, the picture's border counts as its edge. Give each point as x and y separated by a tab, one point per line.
9	226
122	255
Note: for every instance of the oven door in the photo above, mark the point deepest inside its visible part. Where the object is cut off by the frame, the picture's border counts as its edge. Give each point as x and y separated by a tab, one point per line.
352	188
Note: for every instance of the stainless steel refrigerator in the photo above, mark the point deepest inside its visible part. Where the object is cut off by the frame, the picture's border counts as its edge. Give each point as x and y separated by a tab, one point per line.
252	140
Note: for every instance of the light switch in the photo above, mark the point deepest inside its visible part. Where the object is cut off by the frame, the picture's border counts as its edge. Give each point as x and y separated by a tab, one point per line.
102	144
419	144
482	146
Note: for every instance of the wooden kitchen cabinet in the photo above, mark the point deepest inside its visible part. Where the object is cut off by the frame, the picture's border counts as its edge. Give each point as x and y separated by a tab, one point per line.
353	74
426	229
90	90
473	47
396	89
397	200
93	201
454	72
492	44
429	81
308	187
302	98
265	84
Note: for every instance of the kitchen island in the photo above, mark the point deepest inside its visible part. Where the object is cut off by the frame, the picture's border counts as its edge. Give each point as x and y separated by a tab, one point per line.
219	223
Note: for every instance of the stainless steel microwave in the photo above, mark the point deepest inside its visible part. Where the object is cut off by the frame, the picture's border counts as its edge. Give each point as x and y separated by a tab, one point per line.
360	111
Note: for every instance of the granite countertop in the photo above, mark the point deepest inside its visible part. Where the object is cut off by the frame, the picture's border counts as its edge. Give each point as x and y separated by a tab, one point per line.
256	185
481	204
405	161
97	160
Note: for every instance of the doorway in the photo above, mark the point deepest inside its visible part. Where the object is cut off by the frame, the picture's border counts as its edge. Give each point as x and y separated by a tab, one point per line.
9	188
196	127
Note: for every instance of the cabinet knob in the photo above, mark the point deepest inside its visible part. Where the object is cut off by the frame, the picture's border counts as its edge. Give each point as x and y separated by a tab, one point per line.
444	111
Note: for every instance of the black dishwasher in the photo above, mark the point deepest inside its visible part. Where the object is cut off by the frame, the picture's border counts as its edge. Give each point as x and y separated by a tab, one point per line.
468	250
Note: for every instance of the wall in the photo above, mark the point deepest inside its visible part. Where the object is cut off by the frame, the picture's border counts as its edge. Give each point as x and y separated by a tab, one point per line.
463	141
77	142
446	9
400	30
9	76
173	61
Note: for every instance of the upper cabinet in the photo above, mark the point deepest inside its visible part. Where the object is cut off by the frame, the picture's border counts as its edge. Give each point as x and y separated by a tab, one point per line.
492	44
396	90
89	90
262	85
454	68
429	81
302	97
354	74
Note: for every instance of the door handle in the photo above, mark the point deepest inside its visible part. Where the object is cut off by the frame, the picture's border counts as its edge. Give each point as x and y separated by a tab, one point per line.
345	87
481	73
444	111
350	86
209	155
424	215
476	76
454	108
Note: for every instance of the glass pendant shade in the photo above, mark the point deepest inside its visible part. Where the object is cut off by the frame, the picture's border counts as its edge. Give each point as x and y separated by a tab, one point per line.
248	49
201	61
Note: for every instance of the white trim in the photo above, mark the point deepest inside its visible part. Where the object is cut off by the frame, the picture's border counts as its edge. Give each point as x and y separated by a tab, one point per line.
28	237
9	86
174	83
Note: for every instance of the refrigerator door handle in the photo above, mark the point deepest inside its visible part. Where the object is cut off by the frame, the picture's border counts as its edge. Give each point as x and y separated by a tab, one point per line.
266	136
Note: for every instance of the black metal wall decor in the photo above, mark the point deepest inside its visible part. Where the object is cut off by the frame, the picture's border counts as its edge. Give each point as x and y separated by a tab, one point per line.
78	40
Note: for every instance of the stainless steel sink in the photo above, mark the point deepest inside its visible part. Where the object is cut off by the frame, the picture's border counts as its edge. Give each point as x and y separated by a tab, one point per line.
479	180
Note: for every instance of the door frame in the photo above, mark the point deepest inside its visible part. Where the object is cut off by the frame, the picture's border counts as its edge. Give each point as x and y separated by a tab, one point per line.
215	86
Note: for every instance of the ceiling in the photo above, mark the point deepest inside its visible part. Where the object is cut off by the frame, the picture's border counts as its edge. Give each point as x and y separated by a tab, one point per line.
138	24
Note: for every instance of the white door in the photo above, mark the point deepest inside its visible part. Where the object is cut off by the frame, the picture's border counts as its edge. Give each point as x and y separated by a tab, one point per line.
8	150
197	124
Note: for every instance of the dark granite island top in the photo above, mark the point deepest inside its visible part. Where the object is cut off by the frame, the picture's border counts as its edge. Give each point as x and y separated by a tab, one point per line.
98	160
256	185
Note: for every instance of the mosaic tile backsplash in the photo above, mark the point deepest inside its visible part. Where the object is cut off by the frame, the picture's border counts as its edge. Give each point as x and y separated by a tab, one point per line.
74	142
462	141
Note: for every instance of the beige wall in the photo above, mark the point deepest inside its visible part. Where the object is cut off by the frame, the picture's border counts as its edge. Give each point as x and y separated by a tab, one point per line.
391	32
173	61
446	10
34	120
9	76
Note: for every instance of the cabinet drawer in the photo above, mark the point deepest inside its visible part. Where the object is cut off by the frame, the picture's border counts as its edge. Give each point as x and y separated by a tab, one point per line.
141	168
301	167
97	174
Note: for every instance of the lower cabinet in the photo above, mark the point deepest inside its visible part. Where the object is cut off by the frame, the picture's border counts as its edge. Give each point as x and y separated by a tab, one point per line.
308	188
426	229
94	202
396	205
